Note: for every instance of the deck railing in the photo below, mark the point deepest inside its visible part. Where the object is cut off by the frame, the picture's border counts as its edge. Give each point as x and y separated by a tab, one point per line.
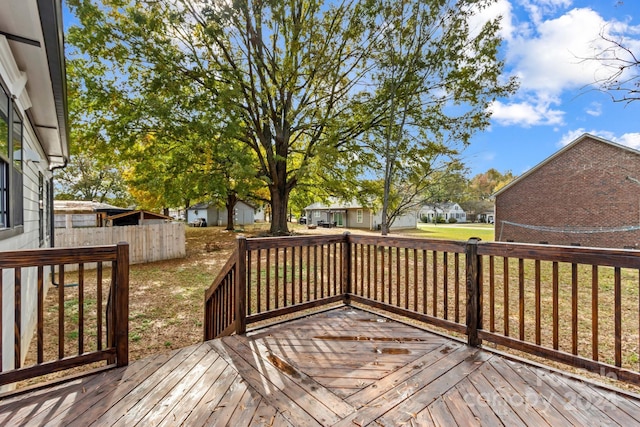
91	309
575	305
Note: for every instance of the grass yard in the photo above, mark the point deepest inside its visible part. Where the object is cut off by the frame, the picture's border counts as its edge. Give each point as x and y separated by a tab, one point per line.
453	231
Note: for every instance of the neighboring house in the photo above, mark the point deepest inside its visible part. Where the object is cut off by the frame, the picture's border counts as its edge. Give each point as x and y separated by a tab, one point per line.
80	213
33	143
353	215
587	193
445	211
243	214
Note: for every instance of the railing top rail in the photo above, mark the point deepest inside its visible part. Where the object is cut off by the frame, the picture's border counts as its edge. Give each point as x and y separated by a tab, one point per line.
290	241
56	256
410	243
623	258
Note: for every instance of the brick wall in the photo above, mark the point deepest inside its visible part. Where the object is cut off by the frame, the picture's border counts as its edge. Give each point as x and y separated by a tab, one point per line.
591	184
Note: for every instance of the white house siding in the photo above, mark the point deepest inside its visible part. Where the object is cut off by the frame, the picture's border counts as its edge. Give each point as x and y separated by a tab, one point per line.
243	214
406	221
28	239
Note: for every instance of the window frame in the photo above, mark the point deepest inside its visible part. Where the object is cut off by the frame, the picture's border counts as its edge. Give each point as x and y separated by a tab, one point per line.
359	216
11	170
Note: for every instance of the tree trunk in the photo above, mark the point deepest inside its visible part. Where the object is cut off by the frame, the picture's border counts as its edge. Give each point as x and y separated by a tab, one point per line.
279	203
230	204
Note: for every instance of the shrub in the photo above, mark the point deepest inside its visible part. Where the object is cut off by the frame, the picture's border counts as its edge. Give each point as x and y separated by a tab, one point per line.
452	220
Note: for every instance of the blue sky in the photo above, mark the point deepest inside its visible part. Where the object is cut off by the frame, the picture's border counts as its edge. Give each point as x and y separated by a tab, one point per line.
544	43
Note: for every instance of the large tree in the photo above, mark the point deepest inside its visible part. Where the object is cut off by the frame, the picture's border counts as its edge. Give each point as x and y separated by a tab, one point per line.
294	76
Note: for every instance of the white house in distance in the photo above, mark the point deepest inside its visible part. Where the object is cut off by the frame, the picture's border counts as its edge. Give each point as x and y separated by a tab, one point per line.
33	143
243	214
445	211
336	213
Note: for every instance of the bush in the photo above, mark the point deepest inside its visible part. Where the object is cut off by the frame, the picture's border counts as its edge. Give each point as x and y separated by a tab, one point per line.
440	220
424	218
452	220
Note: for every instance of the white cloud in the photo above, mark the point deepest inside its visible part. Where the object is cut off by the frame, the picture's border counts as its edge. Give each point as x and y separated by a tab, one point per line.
594	109
554	59
501	8
551	52
537	9
525	114
631	139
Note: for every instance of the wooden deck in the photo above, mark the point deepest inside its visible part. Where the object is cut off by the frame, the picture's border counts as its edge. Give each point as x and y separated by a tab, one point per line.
343	367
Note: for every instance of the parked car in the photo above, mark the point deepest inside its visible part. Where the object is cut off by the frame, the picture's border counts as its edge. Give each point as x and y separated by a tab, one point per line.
302	220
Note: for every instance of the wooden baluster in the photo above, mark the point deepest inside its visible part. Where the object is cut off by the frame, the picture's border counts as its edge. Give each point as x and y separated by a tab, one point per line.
434	307
424	281
81	308
415	280
40	327
505	274
594	312
555	309
574	308
445	285
617	291
61	312
538	303
17	275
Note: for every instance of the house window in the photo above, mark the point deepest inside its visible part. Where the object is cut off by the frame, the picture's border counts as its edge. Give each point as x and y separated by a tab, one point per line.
316	214
359	216
11	129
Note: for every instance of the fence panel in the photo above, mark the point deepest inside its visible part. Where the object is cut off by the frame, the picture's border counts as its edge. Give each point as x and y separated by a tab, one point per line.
148	243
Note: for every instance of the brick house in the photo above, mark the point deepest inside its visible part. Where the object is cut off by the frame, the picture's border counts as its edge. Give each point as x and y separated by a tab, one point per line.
587	194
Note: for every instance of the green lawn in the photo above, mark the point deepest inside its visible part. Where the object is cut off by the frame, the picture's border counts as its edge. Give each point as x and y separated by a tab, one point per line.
453	231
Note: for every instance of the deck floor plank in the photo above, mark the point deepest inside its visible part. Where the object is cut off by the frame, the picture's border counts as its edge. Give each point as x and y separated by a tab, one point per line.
166	402
557	400
459	409
207	405
514	399
342	367
528	395
495	401
277	364
142	399
183	409
290	409
246	409
478	406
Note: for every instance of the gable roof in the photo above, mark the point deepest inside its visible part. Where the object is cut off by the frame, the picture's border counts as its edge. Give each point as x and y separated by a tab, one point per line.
560	152
335	204
205	205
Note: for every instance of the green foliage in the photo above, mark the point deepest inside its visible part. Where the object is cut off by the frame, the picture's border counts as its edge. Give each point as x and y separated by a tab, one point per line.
434	77
282	102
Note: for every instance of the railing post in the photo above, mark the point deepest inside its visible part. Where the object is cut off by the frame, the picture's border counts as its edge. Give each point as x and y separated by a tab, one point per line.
121	306
346	268
474	320
241	287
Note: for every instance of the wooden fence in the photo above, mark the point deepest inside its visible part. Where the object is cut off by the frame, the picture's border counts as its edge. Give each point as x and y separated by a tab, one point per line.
148	243
92	309
579	306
